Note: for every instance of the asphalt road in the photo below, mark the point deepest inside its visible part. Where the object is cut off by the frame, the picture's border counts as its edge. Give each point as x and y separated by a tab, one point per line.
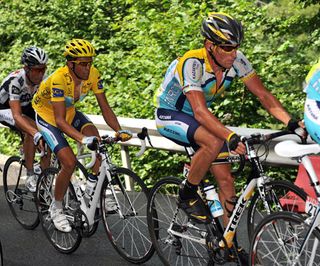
25	248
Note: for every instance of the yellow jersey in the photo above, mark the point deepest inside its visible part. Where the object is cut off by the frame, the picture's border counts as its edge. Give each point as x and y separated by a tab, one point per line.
59	87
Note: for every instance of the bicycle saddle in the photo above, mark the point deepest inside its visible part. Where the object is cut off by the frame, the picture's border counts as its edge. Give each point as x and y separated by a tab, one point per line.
290	148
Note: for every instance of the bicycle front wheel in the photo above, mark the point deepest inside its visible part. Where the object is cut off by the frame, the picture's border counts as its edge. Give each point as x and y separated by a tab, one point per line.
177	239
278	240
63	242
126	221
20	200
280	195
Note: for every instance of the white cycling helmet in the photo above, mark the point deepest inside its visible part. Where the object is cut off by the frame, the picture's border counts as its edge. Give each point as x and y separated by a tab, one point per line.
33	56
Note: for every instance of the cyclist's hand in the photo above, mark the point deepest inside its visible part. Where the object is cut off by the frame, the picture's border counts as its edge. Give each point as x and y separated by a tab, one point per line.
91	142
123	135
235	144
39	142
297	127
36	138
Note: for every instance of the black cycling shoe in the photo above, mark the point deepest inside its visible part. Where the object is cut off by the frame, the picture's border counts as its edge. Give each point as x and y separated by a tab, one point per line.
195	208
242	255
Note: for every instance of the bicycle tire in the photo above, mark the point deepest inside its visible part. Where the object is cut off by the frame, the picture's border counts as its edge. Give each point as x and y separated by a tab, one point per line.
20	200
63	242
277	240
128	233
280	188
162	211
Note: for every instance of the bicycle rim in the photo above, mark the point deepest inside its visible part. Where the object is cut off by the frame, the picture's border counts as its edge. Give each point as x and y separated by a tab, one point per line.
63	242
170	229
278	239
20	200
126	227
281	196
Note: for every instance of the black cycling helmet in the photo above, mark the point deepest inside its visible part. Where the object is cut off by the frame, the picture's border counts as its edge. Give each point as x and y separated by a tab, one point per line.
222	29
33	56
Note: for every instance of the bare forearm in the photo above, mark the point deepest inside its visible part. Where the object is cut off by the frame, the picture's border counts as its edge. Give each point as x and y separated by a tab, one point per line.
25	125
69	130
111	119
274	107
212	124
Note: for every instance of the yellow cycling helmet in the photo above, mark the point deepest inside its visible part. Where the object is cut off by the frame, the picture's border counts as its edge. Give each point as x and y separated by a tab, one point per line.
79	48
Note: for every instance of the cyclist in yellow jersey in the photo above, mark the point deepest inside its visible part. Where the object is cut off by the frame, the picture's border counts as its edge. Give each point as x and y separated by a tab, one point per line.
56	114
191	84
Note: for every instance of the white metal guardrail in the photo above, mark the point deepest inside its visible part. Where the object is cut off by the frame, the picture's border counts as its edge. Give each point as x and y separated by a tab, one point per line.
162	143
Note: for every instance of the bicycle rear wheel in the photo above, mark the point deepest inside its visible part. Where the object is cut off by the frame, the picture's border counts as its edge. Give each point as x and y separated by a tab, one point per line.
63	242
20	200
126	227
177	239
278	238
280	195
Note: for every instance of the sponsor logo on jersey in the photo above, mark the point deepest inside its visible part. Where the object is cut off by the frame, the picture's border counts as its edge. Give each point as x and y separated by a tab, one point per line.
57	92
165	117
100	86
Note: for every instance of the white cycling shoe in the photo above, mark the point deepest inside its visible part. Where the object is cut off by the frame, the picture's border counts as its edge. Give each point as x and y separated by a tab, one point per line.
59	219
31	183
110	203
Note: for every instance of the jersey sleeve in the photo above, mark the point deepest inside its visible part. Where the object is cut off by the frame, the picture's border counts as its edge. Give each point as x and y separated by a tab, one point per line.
14	90
312	87
191	75
97	86
242	66
57	89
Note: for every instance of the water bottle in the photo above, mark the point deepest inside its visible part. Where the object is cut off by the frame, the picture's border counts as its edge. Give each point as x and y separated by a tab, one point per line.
91	184
213	200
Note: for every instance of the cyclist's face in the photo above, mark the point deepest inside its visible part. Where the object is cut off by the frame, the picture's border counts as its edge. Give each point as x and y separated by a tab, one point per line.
82	67
36	73
225	55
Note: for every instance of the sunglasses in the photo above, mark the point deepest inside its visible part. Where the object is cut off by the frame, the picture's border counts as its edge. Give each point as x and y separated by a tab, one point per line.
228	48
83	63
38	69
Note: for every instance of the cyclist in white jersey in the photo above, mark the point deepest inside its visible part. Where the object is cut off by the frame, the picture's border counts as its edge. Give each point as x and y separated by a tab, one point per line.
16	112
191	85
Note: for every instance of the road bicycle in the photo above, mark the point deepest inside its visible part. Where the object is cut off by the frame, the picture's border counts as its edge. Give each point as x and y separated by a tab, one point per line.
126	226
20	200
284	238
179	240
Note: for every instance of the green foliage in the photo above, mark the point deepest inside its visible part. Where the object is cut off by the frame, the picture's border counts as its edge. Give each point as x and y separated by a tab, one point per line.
137	40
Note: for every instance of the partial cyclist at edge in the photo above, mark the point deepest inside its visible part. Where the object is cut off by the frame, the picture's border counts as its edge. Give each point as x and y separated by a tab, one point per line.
16	112
56	115
312	103
191	84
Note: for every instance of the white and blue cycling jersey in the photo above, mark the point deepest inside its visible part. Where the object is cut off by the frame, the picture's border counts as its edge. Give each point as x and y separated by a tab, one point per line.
312	104
192	72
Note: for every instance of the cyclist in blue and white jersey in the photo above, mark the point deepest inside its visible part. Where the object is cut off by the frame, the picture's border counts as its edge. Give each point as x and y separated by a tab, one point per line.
191	84
312	104
16	112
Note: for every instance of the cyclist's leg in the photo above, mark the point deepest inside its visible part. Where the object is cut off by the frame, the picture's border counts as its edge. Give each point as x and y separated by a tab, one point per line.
184	130
225	180
58	144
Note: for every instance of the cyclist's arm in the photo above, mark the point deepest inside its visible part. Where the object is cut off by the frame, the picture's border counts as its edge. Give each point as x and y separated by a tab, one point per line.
269	102
22	122
205	117
59	109
107	113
